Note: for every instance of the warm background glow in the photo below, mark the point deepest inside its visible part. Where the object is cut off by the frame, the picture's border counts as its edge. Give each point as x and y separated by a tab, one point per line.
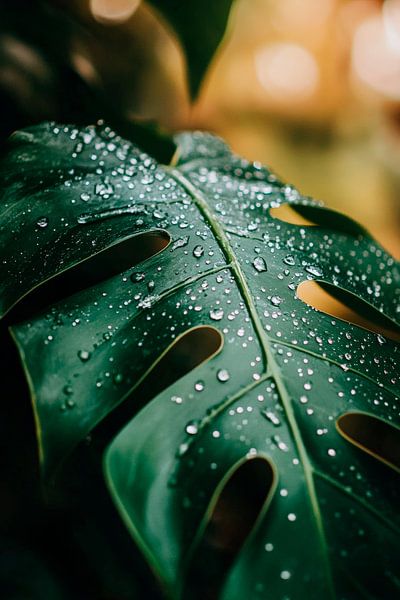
312	88
116	11
309	87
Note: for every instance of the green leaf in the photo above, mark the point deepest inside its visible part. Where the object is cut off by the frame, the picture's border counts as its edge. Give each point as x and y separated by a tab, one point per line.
200	27
276	428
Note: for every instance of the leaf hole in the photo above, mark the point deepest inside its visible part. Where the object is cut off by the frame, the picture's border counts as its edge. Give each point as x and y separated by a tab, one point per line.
187	352
311	216
372	435
344	305
244	497
115	259
289	214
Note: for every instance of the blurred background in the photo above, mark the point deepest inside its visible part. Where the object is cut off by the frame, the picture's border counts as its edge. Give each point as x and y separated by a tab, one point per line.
309	87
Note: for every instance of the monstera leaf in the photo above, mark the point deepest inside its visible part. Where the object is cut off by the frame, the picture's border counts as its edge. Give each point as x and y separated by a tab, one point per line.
265	464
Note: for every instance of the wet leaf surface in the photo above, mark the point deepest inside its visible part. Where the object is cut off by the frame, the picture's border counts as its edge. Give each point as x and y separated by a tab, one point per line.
326	519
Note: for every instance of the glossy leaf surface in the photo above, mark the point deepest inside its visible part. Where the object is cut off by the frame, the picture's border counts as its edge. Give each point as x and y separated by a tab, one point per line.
325	519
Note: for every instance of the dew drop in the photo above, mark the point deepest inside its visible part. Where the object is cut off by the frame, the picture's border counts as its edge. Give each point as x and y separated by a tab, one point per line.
84	355
272	417
180	242
313	270
192	428
259	264
276	300
104	188
136	277
252	227
281	445
269	547
198	251
216	314
176	399
147	302
42	222
223	375
289	260
182	449
199	386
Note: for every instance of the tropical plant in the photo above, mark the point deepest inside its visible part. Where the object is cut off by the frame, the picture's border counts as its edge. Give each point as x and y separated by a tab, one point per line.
186	398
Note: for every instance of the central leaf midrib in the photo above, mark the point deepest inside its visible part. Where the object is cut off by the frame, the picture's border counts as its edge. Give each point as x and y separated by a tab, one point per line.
270	365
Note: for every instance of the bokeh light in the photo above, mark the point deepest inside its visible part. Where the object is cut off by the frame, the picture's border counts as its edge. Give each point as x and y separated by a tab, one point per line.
309	87
288	72
115	11
376	56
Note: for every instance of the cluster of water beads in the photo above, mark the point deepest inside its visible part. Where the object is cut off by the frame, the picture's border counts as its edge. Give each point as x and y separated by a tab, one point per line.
42	222
253	199
259	264
216	314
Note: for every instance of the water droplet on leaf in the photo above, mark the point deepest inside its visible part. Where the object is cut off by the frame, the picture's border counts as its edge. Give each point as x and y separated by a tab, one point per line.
180	242
42	222
313	270
84	355
223	375
136	277
276	300
198	251
259	264
289	260
216	314
272	417
192	428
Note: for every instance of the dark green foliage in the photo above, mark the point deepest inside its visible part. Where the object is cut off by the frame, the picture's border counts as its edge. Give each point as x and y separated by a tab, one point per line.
251	432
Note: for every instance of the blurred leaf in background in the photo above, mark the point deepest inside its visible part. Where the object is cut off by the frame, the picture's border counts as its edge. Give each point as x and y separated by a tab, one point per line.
114	59
60	62
200	24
